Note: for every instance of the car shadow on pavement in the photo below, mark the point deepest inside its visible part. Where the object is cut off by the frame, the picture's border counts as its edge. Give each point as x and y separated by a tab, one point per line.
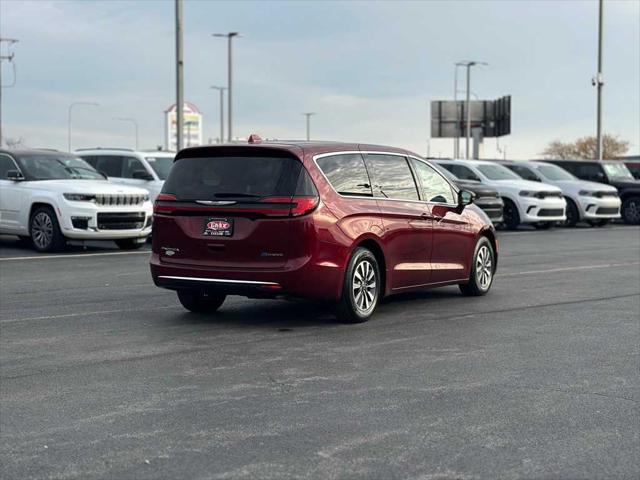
284	315
287	315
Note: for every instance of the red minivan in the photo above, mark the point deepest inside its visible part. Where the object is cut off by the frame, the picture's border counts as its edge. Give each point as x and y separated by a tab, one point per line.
345	223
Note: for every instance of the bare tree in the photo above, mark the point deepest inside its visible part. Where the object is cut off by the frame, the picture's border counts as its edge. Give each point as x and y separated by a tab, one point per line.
586	148
15	143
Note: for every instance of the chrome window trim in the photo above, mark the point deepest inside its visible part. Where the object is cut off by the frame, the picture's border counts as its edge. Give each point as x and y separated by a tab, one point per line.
375	152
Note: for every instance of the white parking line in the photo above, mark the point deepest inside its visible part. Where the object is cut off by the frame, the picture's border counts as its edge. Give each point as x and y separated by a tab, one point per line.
46	257
569	230
568	269
97	312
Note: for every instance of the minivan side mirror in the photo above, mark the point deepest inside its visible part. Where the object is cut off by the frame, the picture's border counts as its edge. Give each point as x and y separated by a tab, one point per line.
15	176
465	197
141	175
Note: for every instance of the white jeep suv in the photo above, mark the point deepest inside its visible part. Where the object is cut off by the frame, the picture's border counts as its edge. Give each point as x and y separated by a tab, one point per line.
51	196
145	169
539	204
595	203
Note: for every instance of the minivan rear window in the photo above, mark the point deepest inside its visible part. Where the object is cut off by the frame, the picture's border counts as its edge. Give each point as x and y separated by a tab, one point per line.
206	178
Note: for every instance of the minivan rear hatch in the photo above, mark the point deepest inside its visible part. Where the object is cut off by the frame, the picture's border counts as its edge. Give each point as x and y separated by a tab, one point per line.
231	207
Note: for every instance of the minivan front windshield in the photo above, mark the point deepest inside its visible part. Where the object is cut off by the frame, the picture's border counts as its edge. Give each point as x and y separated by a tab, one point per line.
497	172
57	167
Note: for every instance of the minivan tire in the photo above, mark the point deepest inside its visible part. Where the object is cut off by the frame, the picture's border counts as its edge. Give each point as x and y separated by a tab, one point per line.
361	289
511	215
198	301
481	264
44	230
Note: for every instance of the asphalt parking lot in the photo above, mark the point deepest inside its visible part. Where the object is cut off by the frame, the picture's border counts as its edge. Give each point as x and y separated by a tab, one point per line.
104	375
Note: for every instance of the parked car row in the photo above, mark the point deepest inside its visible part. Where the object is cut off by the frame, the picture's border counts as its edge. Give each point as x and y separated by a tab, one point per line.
556	191
50	196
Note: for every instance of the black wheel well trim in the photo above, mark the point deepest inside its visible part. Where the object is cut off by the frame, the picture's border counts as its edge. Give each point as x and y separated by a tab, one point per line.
374	247
36	205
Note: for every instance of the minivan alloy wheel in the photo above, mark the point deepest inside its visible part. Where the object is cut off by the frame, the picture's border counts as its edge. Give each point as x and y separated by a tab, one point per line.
364	286
484	267
42	230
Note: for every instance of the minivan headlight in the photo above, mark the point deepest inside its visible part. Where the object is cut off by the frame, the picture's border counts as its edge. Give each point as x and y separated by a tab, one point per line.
79	197
586	193
527	193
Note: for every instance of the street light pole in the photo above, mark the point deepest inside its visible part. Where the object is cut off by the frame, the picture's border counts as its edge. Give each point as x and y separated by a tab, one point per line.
94	104
599	83
468	134
221	90
456	140
135	125
468	64
179	78
229	37
308	115
8	58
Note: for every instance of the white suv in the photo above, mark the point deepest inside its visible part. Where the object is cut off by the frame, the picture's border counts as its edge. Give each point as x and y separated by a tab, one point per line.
52	196
536	203
595	203
145	169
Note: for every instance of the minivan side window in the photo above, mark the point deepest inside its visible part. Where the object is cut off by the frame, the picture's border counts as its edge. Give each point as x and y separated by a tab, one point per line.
392	177
347	174
434	187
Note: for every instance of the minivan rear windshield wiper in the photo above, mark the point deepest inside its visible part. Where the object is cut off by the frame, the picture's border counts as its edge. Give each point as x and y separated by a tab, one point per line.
229	195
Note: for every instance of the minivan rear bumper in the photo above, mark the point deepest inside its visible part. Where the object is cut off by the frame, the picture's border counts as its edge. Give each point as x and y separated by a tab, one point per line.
304	278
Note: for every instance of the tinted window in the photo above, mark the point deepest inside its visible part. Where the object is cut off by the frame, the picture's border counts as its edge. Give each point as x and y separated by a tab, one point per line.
554	172
6	164
588	171
462	172
109	164
55	167
434	187
130	165
524	172
206	178
347	174
497	172
391	177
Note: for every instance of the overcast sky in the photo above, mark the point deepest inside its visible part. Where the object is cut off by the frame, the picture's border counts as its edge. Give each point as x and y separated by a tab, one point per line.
369	69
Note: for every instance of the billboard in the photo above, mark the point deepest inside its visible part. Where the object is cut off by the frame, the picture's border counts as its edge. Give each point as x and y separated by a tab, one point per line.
449	119
192	135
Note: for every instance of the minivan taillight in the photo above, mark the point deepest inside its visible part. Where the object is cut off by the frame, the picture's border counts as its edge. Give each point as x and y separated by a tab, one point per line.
164	197
299	205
